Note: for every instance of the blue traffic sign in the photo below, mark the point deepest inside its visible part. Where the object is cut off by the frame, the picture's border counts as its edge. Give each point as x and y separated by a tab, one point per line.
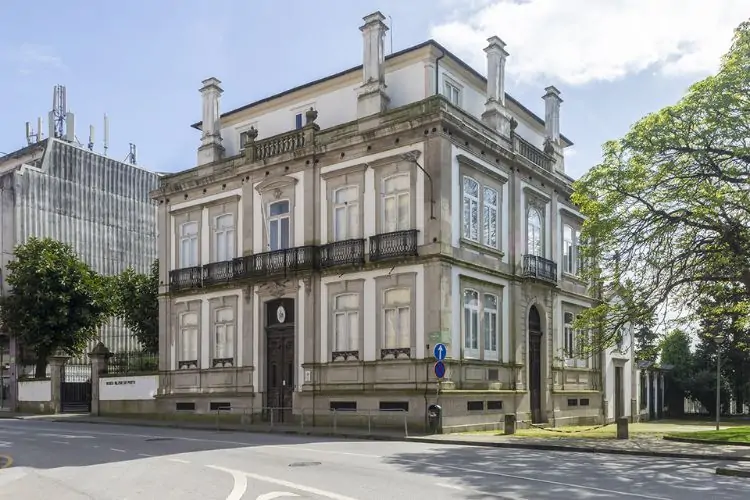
440	369
440	351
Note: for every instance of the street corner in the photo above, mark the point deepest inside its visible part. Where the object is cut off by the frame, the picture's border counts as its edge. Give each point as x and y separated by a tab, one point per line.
5	461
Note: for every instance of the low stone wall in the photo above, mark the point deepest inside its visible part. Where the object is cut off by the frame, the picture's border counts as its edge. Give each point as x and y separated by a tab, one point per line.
34	396
128	394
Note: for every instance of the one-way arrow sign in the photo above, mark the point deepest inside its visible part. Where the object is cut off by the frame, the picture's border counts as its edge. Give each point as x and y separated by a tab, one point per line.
440	351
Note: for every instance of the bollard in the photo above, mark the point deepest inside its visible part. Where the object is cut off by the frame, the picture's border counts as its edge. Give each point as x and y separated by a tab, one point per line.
510	424
622	428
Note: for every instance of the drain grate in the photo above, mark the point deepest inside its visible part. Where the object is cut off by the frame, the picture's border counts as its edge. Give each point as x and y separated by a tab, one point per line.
160	439
303	464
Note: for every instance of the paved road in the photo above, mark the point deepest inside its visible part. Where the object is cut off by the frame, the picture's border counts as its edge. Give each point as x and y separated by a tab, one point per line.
69	461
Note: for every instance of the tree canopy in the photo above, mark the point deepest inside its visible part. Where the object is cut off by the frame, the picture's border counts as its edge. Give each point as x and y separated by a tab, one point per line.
668	208
136	302
56	301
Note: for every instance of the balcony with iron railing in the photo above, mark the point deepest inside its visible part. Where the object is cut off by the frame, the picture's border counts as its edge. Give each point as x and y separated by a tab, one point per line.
186	278
280	262
221	272
342	253
535	267
393	245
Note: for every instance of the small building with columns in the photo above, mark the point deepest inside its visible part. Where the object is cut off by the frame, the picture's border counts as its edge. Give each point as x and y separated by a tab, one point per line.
331	235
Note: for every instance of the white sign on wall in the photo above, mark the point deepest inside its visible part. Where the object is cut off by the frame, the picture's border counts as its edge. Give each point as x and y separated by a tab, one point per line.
128	388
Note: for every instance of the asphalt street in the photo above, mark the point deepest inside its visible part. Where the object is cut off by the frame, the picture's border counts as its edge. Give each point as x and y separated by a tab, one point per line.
75	461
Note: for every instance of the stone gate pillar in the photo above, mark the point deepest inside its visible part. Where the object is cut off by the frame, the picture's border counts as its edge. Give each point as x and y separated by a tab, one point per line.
57	375
99	357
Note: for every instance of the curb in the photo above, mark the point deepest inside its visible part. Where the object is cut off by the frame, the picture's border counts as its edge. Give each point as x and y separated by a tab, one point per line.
702	441
582	449
726	471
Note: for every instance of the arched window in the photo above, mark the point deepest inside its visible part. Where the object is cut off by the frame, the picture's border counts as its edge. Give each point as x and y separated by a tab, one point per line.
346	213
224	238
534	233
471	322
278	225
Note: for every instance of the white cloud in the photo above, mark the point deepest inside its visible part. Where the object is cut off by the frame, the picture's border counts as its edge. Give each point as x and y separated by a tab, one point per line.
29	57
580	41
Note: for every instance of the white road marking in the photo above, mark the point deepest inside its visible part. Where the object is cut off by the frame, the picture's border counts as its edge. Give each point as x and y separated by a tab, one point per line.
280	482
144	455
28	439
118	450
6	444
178	460
275	494
451	486
66	436
240	485
61	442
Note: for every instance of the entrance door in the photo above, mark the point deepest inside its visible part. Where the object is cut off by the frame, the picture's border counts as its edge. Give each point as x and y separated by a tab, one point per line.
619	403
280	354
535	364
75	389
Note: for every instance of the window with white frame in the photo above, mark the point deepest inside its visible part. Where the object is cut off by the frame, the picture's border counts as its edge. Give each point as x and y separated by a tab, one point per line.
346	213
224	237
568	335
396	203
568	245
189	338
346	322
491	319
580	259
452	92
471	323
224	328
279	225
534	225
480	209
188	244
397	318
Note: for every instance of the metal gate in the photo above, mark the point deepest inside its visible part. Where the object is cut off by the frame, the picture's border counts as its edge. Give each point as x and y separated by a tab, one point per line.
75	390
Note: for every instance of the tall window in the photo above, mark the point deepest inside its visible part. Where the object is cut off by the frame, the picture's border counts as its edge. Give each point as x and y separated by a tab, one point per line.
224	333
491	348
489	216
396	203
568	335
480	209
452	92
580	259
471	323
278	225
581	339
568	250
224	237
189	338
346	322
471	209
346	213
534	233
397	318
189	244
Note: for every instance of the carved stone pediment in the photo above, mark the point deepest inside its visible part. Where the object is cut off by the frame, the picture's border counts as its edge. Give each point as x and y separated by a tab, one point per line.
275	183
277	289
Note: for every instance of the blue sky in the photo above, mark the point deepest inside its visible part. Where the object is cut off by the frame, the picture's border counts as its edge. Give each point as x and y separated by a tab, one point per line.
142	61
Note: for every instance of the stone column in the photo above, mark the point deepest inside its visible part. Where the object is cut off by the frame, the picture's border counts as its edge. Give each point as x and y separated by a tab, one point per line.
552	101
372	98
496	115
57	376
98	357
211	149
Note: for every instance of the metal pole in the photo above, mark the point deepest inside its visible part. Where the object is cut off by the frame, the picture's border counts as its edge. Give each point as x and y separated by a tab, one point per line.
718	387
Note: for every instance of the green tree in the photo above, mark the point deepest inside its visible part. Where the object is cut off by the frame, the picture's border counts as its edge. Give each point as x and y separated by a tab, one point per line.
138	305
56	300
668	209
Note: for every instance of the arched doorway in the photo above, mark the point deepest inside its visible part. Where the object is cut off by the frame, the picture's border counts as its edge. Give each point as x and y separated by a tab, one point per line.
535	364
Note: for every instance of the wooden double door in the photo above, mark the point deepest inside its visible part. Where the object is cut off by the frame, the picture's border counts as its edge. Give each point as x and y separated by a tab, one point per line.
280	360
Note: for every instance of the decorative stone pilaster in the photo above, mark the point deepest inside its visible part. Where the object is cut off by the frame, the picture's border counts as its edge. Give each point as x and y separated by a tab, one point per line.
553	143
57	375
372	98
211	149
98	357
496	115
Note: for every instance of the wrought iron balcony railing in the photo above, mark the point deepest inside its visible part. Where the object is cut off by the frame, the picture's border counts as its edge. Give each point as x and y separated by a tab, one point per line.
539	268
186	278
393	245
341	253
285	261
221	272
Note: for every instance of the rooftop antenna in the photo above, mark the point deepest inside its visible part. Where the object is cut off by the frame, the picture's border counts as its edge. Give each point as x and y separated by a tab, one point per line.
391	33
91	137
106	134
33	136
132	158
59	112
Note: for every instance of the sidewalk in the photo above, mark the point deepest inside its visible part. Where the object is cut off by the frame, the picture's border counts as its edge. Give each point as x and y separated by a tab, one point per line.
649	446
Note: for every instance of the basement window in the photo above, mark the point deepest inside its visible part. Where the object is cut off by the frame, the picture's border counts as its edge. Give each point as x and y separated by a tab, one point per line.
572	402
394	406
475	406
494	405
583	402
216	406
343	405
185	406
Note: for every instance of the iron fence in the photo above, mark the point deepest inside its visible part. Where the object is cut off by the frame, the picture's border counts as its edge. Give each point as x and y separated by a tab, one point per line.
131	363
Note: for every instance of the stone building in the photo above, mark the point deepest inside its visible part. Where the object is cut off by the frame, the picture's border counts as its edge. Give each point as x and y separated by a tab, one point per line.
332	234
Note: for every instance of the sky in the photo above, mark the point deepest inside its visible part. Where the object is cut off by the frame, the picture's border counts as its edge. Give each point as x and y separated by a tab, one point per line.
142	61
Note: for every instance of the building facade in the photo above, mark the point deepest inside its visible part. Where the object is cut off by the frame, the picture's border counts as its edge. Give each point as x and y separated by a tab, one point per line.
100	206
332	234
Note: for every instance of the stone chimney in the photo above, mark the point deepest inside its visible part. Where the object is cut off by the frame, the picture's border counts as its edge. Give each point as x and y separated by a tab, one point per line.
553	144
372	98
496	115
211	149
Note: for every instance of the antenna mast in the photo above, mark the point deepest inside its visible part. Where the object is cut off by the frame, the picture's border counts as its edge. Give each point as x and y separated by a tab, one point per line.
132	156
59	112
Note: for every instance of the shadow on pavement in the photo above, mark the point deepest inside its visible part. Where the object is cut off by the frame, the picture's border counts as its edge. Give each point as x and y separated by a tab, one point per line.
543	474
